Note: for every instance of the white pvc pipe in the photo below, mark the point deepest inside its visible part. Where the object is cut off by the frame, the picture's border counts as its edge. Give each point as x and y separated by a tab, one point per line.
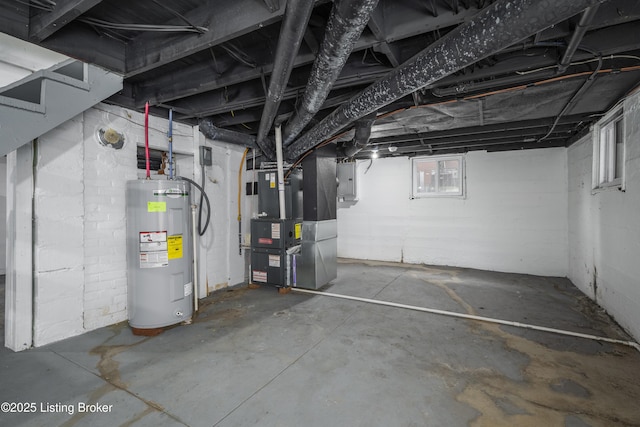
194	236
279	161
472	317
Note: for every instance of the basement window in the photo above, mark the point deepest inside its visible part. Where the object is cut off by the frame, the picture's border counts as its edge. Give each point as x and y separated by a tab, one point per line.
608	152
438	176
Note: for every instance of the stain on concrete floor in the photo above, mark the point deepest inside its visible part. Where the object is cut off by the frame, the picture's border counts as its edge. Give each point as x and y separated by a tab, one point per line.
600	389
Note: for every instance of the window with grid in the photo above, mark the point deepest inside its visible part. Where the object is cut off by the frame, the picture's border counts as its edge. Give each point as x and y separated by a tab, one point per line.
608	153
438	176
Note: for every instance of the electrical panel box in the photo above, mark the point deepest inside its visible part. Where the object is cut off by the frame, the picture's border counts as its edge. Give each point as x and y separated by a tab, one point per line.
347	182
206	157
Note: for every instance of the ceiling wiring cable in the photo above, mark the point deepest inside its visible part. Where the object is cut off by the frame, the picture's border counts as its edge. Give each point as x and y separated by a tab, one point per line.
575	96
587	61
141	27
175	13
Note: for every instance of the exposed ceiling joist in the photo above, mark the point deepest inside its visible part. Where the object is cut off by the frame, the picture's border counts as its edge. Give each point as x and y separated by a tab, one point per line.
45	23
227	20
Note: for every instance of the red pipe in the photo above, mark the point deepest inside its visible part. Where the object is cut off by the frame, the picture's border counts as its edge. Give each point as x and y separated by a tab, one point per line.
146	138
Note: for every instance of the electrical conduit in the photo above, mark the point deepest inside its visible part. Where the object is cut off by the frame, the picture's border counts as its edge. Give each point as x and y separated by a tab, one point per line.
146	139
171	143
472	317
244	156
279	160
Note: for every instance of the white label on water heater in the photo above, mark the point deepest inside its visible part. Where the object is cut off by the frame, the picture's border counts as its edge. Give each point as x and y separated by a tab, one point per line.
188	289
153	249
154	259
153	246
153	236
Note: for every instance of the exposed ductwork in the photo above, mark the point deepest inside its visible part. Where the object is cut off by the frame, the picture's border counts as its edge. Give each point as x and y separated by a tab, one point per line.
215	133
291	34
495	28
576	38
348	19
360	138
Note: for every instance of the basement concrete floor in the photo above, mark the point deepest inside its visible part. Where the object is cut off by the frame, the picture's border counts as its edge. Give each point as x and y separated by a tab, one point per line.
255	357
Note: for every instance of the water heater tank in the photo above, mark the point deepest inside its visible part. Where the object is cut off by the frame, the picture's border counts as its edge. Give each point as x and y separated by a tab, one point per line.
159	253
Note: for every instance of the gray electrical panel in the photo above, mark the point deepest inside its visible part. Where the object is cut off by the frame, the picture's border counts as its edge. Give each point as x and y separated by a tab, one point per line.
347	183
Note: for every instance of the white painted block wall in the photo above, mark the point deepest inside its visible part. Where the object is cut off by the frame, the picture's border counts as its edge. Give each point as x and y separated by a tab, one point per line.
604	231
59	257
513	218
3	214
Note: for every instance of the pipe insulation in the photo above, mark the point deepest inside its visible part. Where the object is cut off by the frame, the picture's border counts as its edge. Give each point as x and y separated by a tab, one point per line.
360	138
296	17
500	25
473	317
215	133
346	22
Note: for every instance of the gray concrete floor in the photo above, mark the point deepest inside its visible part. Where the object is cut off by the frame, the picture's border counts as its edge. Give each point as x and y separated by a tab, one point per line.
255	357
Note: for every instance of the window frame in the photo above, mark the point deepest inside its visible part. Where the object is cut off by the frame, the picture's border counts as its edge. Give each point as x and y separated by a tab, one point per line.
605	169
425	195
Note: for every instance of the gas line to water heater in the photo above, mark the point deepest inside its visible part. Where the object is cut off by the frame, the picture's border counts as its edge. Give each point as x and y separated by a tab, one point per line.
472	317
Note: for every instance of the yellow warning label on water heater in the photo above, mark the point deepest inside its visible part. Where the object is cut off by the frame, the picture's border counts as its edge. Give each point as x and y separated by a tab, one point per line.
298	231
174	245
156	206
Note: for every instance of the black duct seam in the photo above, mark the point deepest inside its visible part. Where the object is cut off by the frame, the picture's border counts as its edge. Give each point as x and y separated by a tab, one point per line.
495	28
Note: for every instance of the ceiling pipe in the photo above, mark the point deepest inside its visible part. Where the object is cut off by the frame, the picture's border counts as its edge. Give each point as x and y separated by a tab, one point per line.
360	138
498	26
215	133
346	22
292	32
576	38
471	86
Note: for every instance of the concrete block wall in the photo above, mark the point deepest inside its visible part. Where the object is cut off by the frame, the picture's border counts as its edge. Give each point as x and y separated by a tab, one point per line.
512	219
604	231
106	172
58	233
3	214
224	264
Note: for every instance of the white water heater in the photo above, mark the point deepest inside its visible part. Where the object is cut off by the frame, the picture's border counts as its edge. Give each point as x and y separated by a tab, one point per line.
159	253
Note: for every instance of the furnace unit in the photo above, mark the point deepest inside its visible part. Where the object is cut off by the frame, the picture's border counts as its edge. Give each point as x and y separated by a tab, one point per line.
272	237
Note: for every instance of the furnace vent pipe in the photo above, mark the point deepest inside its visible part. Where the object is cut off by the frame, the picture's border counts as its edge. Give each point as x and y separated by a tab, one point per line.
296	17
211	131
576	38
498	26
346	22
280	166
361	137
